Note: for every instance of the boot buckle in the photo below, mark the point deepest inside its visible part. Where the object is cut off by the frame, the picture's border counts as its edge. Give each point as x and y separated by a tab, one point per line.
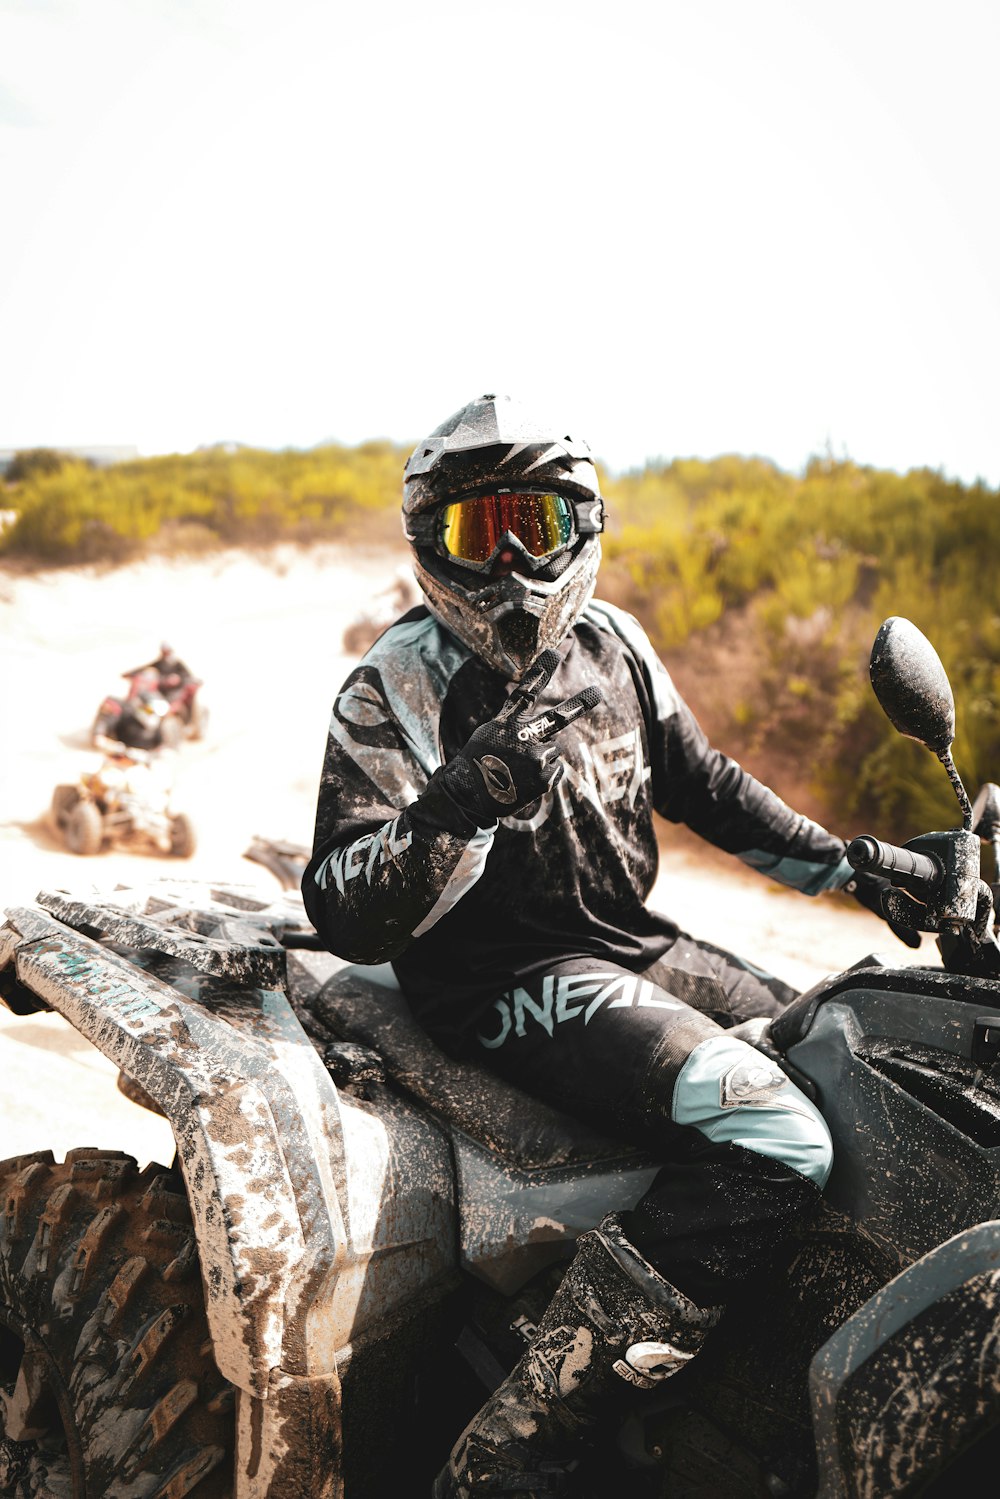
645	1364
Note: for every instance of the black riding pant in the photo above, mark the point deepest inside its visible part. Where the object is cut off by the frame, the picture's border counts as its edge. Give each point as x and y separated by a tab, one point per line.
646	1057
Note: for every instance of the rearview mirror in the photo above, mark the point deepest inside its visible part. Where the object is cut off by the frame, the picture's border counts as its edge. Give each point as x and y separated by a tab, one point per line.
911	685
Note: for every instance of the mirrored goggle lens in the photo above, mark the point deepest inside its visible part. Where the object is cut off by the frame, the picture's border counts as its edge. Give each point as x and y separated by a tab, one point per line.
471	530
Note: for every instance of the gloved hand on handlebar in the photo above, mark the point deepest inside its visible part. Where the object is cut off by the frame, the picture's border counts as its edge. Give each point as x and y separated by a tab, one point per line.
868	889
509	761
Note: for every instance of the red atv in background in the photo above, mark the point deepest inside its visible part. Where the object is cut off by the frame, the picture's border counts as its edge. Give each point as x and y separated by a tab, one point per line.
158	711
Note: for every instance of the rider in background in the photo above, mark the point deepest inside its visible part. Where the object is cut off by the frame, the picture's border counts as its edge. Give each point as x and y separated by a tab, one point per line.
172	673
486	823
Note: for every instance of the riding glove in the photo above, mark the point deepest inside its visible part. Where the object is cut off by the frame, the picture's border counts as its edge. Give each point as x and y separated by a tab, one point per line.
868	890
509	761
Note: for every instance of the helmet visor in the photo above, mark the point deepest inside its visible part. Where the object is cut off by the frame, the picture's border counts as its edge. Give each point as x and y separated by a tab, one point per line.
472	530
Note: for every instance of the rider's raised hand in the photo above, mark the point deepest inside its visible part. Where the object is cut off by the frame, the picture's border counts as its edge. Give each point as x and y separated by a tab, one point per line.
510	761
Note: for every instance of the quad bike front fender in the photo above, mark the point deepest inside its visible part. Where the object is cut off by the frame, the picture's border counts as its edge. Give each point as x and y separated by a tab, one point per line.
256	1120
286	1249
912	1380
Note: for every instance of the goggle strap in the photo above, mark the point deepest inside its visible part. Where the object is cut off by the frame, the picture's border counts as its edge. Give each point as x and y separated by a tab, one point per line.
588	516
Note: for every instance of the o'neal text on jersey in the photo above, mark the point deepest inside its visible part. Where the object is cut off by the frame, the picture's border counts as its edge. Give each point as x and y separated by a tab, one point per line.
363	855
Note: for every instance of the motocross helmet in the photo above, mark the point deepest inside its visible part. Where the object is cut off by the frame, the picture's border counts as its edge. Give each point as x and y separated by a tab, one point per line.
503	514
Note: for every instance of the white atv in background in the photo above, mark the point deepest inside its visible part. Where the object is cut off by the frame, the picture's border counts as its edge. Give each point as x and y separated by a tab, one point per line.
128	799
357	1235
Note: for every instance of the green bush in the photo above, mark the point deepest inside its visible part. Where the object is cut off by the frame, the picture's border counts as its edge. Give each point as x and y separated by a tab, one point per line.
30	461
806	568
241	497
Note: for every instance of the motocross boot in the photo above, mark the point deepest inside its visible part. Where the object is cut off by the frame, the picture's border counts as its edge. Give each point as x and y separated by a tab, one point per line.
613	1322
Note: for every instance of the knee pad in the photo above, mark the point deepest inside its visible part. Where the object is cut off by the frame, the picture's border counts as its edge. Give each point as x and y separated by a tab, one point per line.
736	1095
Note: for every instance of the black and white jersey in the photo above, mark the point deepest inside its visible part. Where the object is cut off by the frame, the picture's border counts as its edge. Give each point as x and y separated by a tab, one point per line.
400	872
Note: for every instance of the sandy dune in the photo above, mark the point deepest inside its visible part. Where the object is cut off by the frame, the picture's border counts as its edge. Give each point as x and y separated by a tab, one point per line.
266	635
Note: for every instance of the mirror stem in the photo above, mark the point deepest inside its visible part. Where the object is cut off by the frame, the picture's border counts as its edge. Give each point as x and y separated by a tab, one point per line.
956	781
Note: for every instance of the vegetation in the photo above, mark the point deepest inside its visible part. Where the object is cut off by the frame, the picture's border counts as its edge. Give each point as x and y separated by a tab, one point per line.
31	461
763	589
216	497
795	574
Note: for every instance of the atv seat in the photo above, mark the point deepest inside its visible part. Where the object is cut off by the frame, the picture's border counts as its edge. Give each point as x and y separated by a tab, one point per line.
365	1005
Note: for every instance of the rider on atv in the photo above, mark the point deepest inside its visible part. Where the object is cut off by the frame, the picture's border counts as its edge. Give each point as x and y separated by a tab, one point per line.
172	673
497	844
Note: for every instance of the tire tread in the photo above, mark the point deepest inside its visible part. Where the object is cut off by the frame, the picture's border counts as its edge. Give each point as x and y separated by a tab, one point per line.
97	1262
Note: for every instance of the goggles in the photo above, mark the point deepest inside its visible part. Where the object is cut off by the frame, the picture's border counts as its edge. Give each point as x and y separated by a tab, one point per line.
474	530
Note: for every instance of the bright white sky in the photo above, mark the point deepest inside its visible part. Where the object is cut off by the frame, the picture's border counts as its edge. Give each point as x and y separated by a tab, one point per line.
684	227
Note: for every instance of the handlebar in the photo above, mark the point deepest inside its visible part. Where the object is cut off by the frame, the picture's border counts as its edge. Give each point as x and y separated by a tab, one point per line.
921	873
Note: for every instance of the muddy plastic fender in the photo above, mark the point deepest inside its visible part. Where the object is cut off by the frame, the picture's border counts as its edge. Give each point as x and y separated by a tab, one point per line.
289	1184
912	1381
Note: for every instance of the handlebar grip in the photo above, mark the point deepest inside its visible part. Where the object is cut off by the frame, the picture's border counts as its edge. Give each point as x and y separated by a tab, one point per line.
900	865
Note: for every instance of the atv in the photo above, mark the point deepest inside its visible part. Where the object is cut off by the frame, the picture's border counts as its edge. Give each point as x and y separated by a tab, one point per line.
175	711
357	1235
127	799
